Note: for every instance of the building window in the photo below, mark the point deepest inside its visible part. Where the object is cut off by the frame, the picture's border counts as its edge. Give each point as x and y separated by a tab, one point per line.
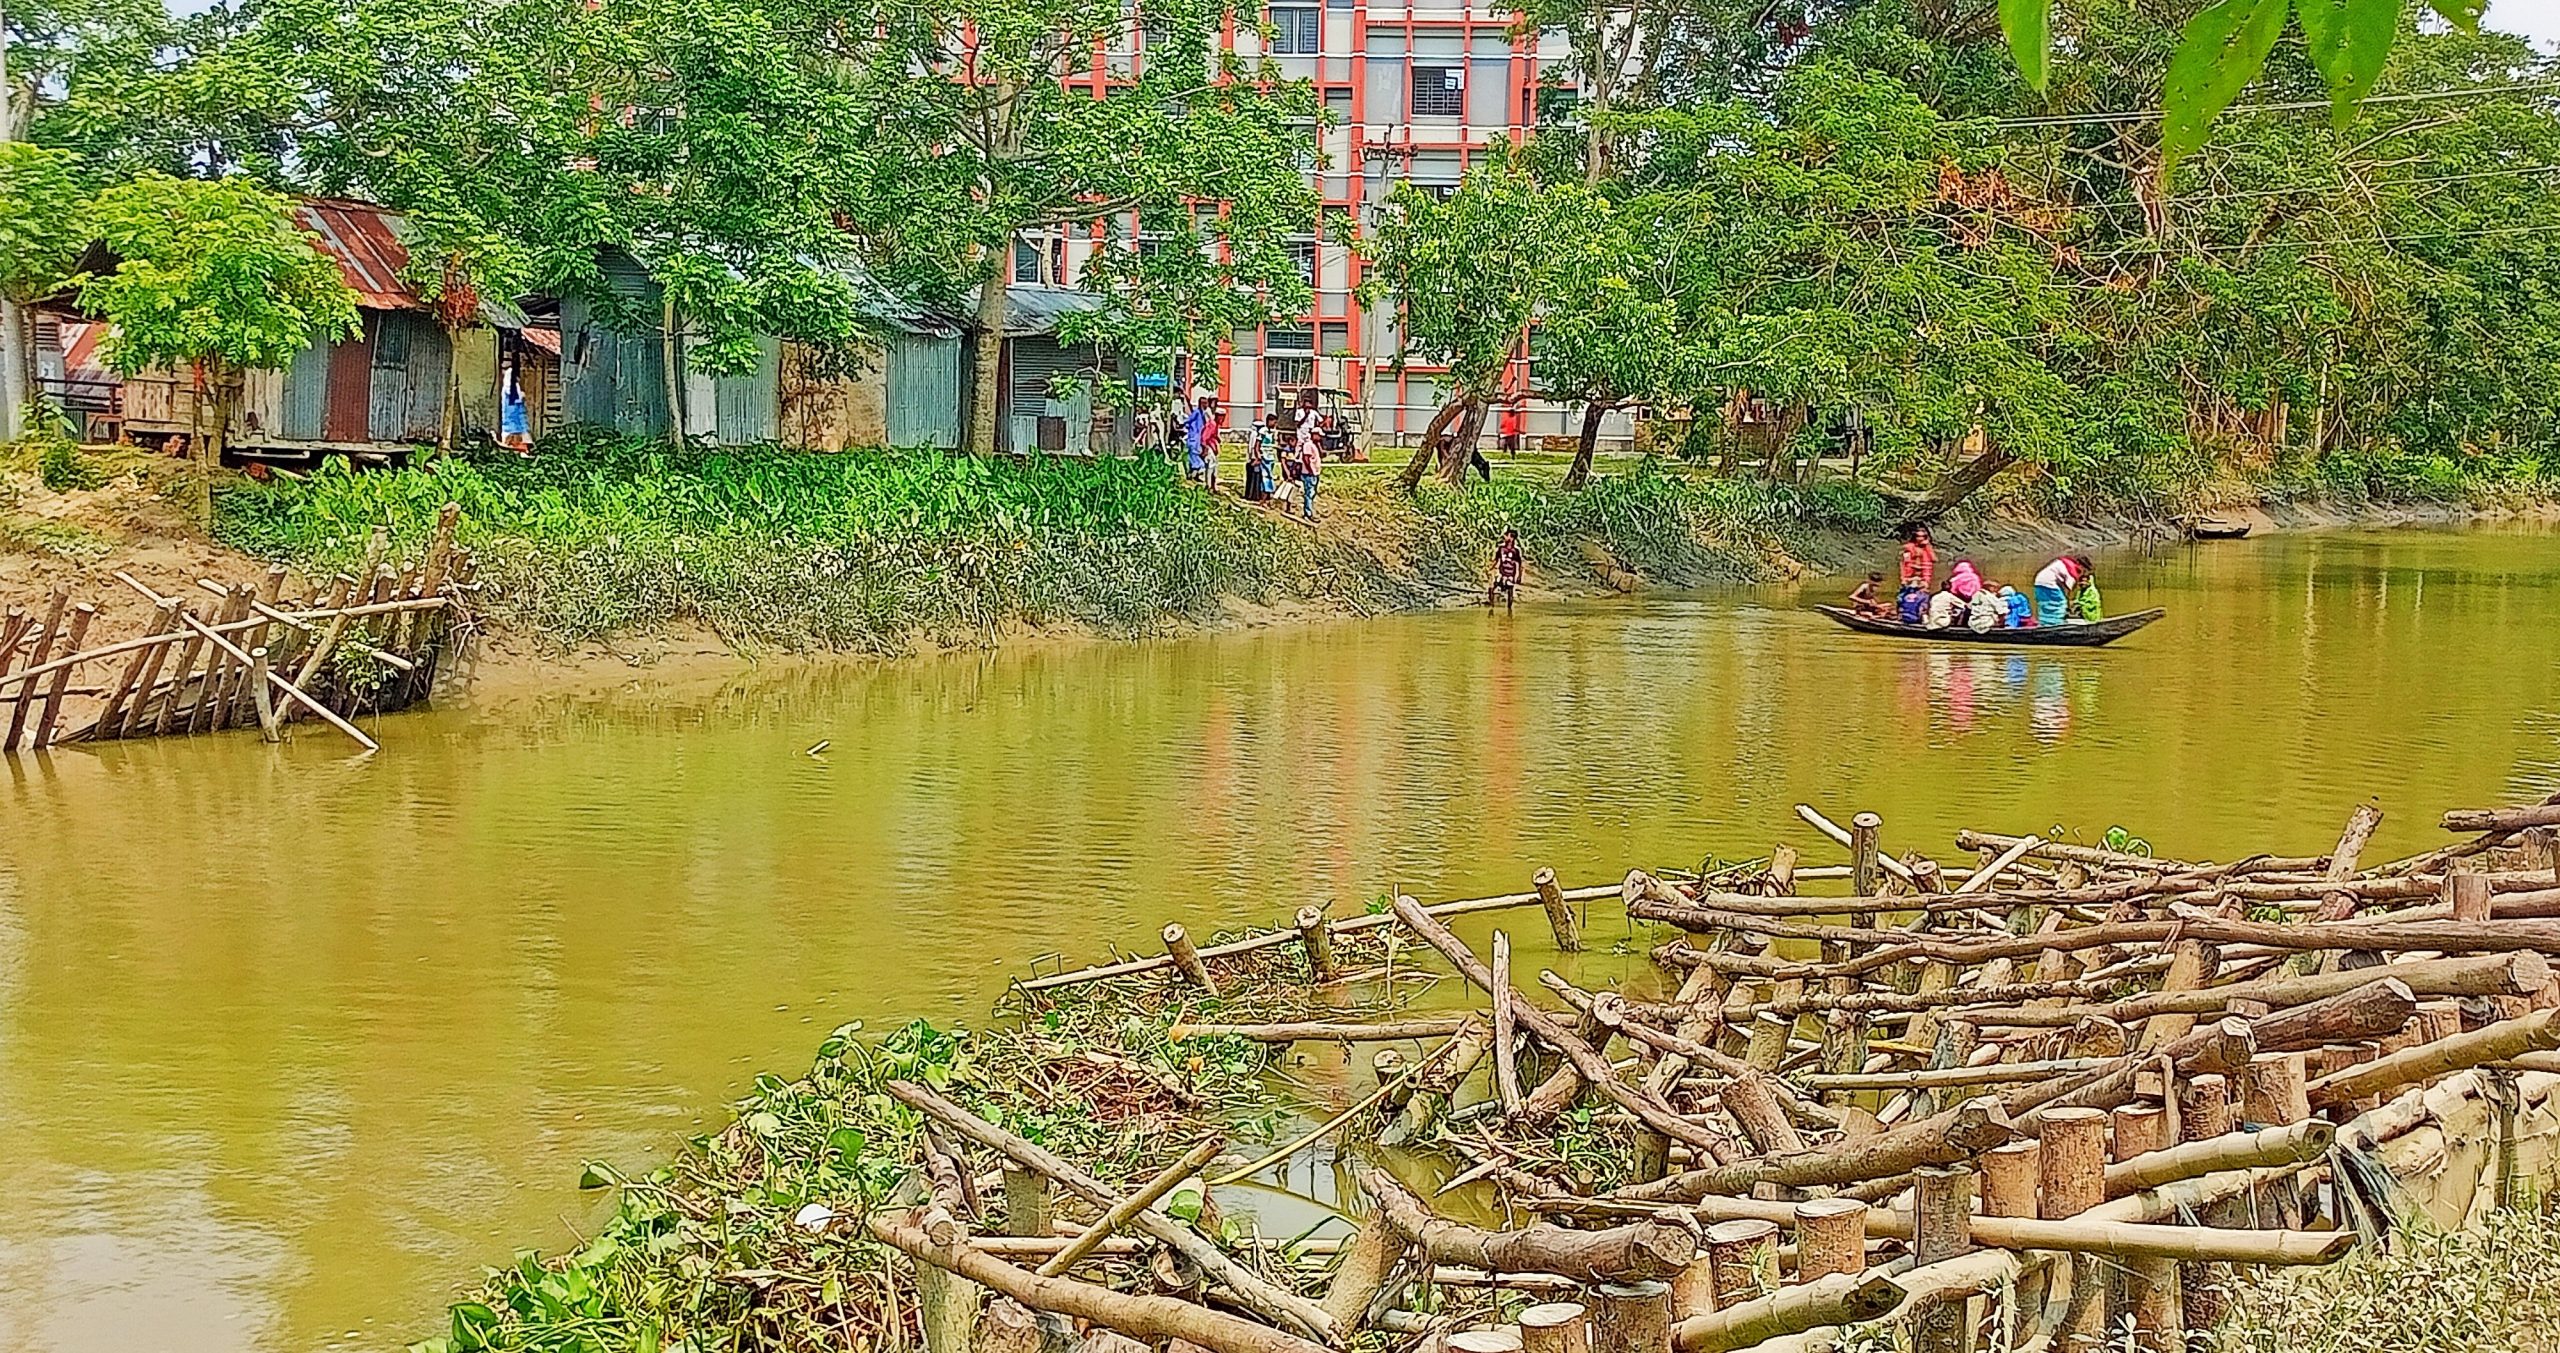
1303	254
1439	91
1290	338
1333	340
1296	31
1282	371
1338	102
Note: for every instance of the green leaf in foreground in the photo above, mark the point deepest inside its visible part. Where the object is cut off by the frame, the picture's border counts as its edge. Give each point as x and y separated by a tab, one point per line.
2221	51
2029	24
2349	40
2462	14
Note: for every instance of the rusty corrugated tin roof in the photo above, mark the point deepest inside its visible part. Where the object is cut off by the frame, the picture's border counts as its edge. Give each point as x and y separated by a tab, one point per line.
365	241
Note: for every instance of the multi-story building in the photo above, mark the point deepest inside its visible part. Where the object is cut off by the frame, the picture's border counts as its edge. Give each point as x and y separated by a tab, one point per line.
1416	91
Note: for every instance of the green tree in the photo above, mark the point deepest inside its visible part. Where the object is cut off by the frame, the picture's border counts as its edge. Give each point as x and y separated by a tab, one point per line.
213	278
981	142
42	200
1466	275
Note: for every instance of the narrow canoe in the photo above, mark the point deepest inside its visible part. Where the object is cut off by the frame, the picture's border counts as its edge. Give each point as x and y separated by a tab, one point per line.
2088	635
2219	530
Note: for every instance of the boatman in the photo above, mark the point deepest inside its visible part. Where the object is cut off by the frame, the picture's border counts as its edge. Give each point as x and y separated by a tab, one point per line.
2054	585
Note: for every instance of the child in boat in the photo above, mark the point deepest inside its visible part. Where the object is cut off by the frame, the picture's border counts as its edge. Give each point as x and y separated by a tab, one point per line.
1946	610
2021	614
1912	604
1866	600
1984	611
2086	604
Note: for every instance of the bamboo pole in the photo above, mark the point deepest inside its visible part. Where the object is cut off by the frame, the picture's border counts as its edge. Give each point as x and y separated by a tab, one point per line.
81	615
1338	1031
1640	1252
1186	959
129	687
1142	1317
1506	1068
1192	1162
327	715
179	683
2537	1032
36	664
1162	962
1248	1287
1835	1299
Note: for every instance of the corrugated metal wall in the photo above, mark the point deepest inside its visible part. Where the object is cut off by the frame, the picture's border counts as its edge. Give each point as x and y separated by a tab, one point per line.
744	407
924	391
1034	421
613	379
411	363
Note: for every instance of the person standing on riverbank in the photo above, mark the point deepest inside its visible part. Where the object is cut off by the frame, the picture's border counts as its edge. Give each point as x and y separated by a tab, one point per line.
1200	441
1310	453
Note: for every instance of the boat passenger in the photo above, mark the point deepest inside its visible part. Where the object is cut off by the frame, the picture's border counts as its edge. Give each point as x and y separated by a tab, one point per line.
1964	580
1911	604
1867	600
2086	604
1946	611
1919	560
2021	614
2054	586
1984	611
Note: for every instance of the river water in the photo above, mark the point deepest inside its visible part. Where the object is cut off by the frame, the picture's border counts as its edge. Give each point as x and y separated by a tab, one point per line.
290	1045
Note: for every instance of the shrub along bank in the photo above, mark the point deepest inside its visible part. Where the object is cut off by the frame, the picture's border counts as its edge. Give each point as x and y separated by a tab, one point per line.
871	552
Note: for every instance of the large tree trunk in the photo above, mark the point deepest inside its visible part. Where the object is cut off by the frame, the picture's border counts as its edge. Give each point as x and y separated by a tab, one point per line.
987	363
1459	446
1589	446
1411	478
1960	483
17	363
671	359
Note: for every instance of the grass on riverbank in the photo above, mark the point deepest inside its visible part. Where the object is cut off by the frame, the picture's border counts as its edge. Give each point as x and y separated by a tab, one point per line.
868	552
2494	1290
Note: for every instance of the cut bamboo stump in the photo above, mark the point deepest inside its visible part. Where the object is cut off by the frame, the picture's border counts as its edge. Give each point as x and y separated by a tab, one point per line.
1942	1229
1555	1327
1560	918
2009	1175
1831	1238
1316	933
2072	1178
1186	958
1631	1317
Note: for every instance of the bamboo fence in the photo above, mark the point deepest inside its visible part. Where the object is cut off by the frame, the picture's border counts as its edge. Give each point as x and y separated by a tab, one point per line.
2052	1097
239	656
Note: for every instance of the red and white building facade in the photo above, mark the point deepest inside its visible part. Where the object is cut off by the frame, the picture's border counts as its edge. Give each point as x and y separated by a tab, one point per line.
1416	93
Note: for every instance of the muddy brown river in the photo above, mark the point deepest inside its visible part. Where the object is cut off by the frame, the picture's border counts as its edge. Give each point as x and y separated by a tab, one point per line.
291	1044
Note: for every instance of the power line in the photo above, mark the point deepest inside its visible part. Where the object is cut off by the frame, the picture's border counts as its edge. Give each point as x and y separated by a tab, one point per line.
2307	105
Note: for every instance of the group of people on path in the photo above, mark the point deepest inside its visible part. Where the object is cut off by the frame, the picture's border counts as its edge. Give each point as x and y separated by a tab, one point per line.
1274	457
2065	593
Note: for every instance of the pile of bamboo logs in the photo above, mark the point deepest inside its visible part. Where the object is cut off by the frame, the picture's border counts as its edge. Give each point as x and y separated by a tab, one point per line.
2045	1095
248	657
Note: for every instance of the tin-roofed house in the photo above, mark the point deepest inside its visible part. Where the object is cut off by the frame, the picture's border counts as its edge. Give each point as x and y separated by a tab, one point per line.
1045	386
403	380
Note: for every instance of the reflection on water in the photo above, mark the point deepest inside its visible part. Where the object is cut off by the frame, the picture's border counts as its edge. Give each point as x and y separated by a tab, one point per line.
289	1044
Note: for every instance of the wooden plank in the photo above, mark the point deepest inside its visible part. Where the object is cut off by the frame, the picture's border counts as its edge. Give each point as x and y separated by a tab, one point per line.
81	615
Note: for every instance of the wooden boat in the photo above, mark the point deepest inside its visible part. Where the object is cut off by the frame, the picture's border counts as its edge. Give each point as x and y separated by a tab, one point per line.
2088	635
2211	529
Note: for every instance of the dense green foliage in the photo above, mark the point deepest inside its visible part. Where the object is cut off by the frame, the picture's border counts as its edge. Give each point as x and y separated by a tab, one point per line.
870	552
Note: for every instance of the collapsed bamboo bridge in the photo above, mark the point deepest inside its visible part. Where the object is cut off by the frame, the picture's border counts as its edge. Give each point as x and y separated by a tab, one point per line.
2039	1096
249	656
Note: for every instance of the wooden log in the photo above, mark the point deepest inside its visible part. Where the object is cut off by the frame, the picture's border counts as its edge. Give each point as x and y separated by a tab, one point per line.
129	687
2072	1180
2439	936
1548	1029
1631	1317
1119	1213
1865	855
261	676
1941	1229
2378	1007
1026	1201
2119	1229
1556	1327
1186	959
2467	896
1743	1254
2009	1174
1843	836
1754	1107
1498	1339
1831	1238
2537	1032
1973	1126
1506	1068
2514	974
1834	1299
218	665
1315	932
1646	1250
2502	819
1993	1073
2339	904
81	615
1249	1288
1367	1262
168	636
1438	1081
1140	1317
181	688
1566	927
298	695
1336	1031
